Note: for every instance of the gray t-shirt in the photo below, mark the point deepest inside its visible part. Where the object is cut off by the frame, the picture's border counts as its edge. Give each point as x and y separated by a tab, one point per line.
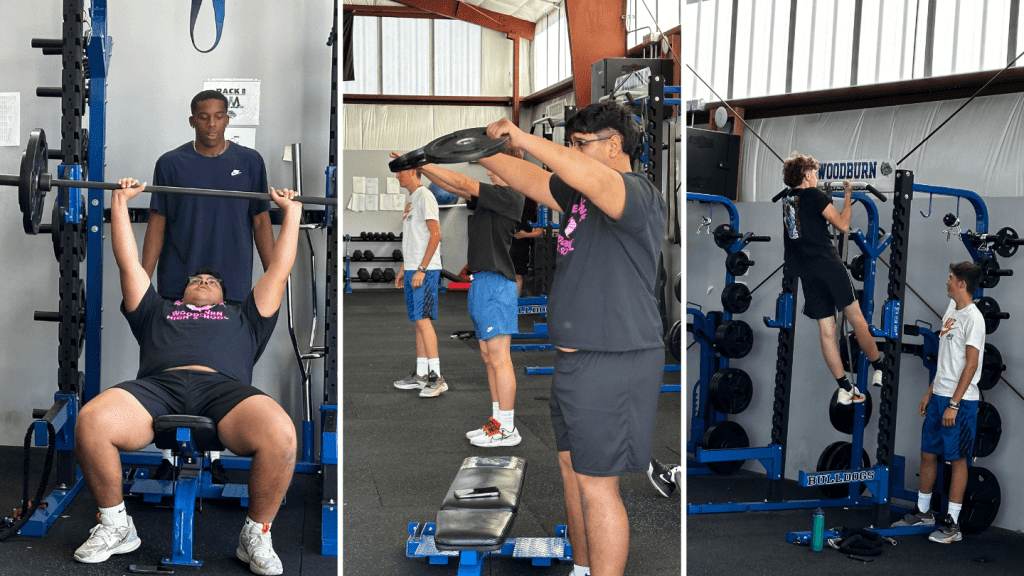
602	297
491	227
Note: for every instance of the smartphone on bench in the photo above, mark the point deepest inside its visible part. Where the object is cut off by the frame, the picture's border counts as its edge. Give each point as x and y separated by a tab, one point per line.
486	492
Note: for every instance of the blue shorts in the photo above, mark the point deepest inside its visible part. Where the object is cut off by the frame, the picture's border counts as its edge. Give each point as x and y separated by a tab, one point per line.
422	302
493	305
951	443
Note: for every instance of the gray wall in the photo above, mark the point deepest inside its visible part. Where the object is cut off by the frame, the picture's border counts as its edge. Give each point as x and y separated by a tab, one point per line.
154	73
809	428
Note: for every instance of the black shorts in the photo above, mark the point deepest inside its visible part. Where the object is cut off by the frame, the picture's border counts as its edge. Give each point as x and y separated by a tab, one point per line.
603	406
191	392
829	290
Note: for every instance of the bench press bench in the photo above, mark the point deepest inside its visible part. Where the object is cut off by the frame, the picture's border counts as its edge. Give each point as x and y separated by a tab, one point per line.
473	528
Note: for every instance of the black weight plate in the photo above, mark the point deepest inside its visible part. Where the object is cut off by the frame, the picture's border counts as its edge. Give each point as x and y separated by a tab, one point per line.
991	367
725	434
857	268
56	228
675	340
679	287
408	161
839	459
988	305
30	195
464	146
826	455
988	431
988	278
841	415
1002	248
737	263
730	390
723	236
734	339
847	349
982	498
736	298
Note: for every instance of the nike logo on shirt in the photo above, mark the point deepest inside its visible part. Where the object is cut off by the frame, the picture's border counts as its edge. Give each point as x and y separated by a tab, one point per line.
236	172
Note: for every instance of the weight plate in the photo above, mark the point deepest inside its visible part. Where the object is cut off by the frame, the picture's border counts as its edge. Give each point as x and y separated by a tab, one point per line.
30	195
1002	248
737	263
464	146
837	457
991	367
826	455
723	435
988	266
724	236
988	431
982	498
850	348
408	161
857	268
675	340
989	308
736	298
841	415
730	390
734	339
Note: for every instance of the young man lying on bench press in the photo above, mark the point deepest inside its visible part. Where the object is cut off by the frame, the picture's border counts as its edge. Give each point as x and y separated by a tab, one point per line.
196	357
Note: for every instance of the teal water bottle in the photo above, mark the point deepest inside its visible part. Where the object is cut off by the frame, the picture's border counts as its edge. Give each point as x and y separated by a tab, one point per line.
818	532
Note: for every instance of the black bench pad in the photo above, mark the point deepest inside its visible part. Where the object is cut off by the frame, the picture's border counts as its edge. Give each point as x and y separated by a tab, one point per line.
204	431
481	523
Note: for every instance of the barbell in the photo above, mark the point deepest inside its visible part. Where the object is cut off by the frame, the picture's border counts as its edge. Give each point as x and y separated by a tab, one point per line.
33	182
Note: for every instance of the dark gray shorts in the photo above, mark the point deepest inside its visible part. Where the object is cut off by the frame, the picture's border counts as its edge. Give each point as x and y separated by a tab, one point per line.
191	392
603	406
830	290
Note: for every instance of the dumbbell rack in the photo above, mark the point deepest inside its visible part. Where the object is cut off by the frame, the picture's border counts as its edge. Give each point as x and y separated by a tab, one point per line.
348	259
708	424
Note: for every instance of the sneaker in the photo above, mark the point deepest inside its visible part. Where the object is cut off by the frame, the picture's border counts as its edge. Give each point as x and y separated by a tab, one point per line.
491	424
255	547
876	378
661	477
106	539
434	386
497	437
949	532
165	471
411	381
848	396
218	474
917	519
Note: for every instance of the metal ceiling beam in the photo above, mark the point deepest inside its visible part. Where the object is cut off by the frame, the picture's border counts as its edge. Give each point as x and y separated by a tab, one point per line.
596	31
510	25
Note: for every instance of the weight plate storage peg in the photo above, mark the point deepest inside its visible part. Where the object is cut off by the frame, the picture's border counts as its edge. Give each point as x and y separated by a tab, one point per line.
723	435
991	367
737	263
730	390
834	458
841	415
734	339
989	430
736	298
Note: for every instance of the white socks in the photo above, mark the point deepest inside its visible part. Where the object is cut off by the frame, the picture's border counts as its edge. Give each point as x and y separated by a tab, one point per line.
578	570
494	410
117	515
421	366
954	511
434	364
251	526
505	418
924	501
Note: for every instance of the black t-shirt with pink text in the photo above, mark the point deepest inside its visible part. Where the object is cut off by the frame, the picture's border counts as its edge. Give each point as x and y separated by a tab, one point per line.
225	337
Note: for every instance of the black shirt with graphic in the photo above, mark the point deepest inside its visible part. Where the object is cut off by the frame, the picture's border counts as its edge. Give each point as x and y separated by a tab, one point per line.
225	337
491	227
808	244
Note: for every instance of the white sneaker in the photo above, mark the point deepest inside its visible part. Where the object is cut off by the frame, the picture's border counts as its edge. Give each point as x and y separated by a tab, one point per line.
485	429
876	378
106	539
255	547
846	396
497	438
412	381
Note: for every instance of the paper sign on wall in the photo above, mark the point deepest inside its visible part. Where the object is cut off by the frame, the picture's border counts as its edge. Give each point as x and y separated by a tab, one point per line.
10	119
243	96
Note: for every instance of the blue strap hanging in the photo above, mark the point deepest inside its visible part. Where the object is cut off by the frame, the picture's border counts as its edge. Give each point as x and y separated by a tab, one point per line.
218	14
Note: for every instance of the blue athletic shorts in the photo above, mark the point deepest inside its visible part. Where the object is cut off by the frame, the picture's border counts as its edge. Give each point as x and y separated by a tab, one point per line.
192	392
422	302
603	406
951	443
493	305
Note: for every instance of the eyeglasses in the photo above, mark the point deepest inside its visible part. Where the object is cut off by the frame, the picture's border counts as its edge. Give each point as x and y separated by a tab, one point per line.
196	281
578	144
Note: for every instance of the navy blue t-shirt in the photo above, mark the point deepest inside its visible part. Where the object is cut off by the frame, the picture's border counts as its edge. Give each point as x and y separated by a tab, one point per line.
491	227
602	297
204	230
225	337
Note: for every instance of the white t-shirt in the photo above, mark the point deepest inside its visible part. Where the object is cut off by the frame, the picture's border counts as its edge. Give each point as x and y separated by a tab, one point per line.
415	234
960	329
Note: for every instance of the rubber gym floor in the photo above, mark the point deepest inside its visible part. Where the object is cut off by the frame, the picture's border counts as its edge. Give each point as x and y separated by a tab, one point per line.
401	451
755	542
296	530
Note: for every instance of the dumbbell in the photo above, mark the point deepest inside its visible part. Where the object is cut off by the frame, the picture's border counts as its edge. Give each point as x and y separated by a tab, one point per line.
367	255
397	255
363	235
391	236
357	255
363	275
377	275
389	275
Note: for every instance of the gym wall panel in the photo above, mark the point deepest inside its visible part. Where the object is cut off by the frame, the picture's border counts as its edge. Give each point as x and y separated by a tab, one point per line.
403	128
154	73
496	64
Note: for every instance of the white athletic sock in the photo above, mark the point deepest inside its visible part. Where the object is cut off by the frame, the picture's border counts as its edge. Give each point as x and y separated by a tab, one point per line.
494	410
168	454
505	418
435	365
954	511
117	515
578	570
421	366
251	526
924	501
